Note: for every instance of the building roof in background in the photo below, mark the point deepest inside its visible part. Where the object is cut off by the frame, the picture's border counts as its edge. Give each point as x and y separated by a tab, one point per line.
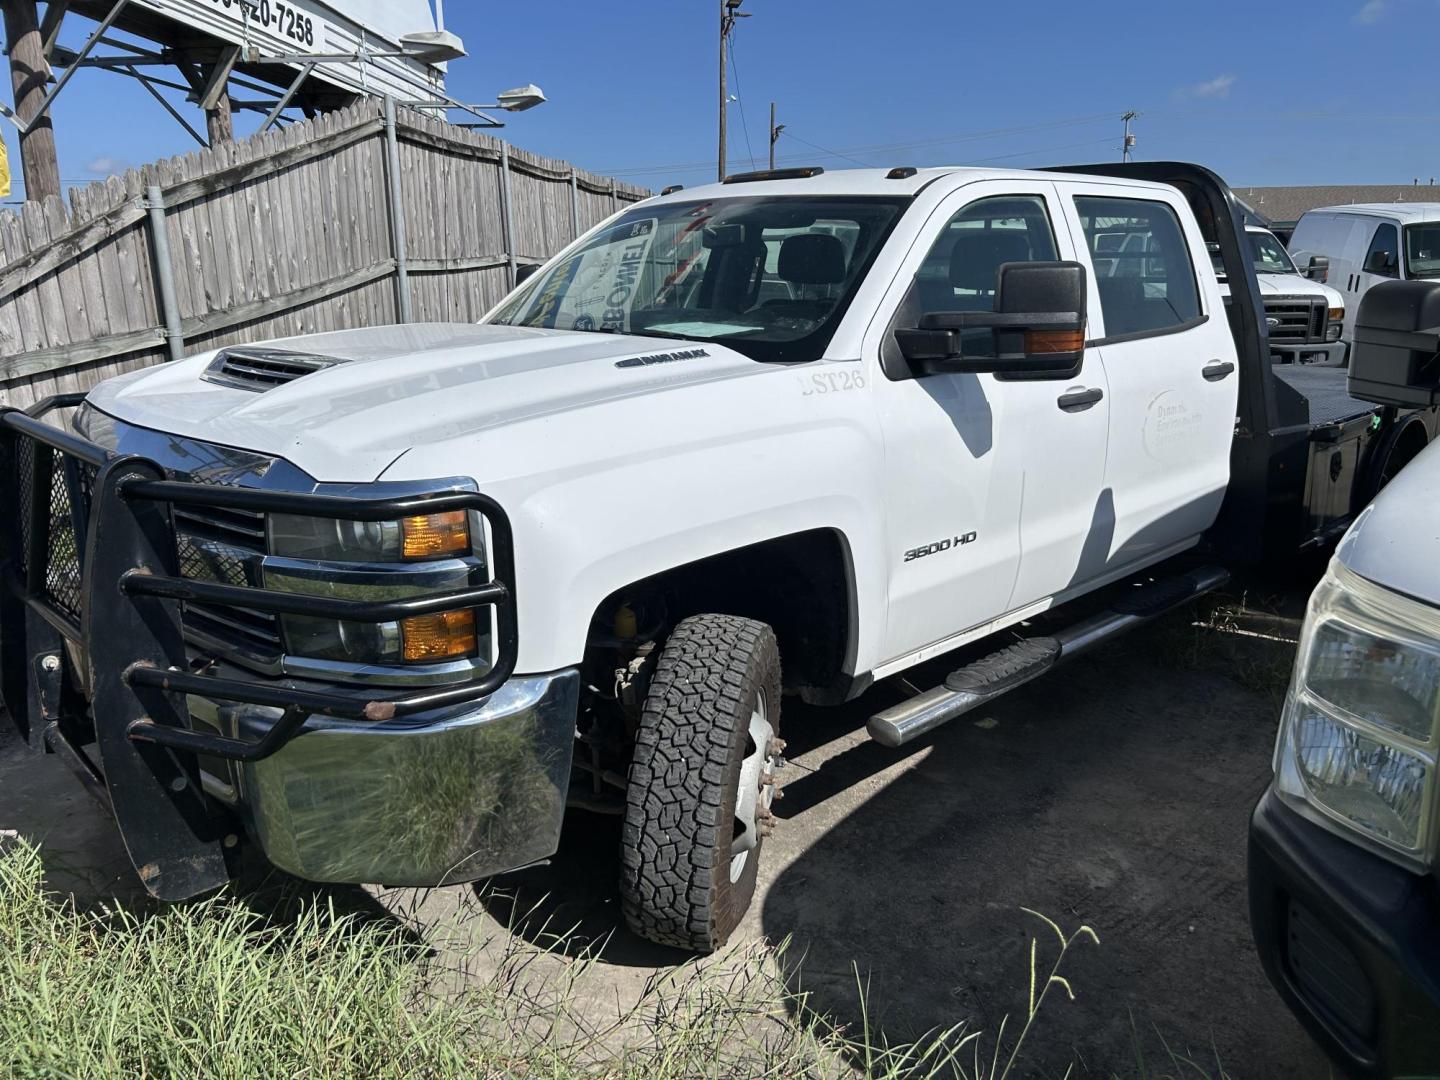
1286	204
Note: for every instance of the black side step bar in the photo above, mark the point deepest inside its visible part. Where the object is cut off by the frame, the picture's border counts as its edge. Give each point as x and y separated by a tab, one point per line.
983	681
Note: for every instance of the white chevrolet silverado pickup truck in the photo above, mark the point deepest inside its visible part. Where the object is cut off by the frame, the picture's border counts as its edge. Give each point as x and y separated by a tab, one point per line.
385	602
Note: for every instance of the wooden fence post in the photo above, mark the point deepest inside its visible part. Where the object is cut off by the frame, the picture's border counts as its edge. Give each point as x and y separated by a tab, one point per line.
574	203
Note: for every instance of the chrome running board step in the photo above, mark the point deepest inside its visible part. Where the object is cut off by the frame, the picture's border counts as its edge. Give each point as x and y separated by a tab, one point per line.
986	679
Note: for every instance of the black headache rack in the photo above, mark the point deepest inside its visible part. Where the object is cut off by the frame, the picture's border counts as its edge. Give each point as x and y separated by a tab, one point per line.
90	567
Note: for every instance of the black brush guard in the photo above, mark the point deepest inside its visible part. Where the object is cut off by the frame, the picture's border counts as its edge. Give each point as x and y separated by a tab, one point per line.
88	554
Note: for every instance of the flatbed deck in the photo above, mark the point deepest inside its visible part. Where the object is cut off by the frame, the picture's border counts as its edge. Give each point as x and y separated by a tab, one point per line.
1324	388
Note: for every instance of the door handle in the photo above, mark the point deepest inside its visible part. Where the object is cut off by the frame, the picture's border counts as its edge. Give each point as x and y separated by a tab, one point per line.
1079	400
1217	369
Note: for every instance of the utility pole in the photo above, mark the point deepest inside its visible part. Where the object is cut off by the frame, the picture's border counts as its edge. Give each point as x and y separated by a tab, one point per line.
29	74
219	122
775	130
1129	143
729	12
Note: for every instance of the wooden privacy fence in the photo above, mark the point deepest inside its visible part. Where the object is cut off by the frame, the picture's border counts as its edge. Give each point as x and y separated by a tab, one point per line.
360	217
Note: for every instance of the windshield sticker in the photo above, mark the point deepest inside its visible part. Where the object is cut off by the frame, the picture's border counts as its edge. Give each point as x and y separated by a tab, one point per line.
596	289
662	358
709	329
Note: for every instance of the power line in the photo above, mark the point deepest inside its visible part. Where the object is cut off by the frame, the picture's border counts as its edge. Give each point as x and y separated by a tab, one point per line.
1046	150
832	153
740	100
875	148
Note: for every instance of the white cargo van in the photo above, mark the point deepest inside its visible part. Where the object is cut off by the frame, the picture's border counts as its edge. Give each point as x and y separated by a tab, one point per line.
1367	244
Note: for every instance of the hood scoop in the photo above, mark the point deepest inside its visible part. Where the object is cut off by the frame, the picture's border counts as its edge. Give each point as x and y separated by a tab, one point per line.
264	369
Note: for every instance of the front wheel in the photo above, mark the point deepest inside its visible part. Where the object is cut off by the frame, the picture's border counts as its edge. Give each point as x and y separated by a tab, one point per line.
701	782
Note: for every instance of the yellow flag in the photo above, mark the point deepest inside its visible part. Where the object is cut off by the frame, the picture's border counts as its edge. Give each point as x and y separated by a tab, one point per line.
4	172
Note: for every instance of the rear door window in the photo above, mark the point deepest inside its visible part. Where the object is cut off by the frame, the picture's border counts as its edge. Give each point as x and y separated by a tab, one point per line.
1143	270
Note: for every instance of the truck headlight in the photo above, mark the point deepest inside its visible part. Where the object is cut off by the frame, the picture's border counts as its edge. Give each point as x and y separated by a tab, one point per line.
423	639
1358	739
1334	323
372	560
424	536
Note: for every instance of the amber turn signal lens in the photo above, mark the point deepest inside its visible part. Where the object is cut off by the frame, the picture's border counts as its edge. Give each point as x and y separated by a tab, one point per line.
1335	314
1054	341
446	636
428	535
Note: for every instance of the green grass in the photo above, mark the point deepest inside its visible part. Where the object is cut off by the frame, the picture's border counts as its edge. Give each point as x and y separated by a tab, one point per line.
215	990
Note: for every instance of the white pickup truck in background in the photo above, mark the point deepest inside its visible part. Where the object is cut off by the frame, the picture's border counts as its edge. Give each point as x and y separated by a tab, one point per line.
1304	318
384	602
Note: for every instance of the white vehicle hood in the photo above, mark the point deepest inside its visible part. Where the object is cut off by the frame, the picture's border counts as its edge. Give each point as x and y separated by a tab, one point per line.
400	387
1295	285
1291	285
1395	542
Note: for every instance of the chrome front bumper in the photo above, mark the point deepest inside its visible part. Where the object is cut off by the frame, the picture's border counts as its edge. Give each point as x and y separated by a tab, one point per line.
408	801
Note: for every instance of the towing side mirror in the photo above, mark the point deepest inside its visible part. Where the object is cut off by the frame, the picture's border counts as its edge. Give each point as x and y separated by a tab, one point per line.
1036	330
1395	359
1318	268
525	271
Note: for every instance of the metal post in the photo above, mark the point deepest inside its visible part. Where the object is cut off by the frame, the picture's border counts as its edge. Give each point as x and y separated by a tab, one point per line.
165	273
294	86
724	33
574	203
397	215
505	209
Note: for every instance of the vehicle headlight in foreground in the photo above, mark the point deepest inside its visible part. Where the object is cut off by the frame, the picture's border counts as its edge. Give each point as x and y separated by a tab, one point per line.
1334	323
1357	744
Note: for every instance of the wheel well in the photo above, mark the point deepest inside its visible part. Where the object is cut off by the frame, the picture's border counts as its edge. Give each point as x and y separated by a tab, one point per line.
1396	449
801	585
1411	440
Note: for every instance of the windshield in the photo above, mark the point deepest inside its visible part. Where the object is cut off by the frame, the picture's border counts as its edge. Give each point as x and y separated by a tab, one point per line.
768	276
1422	250
1269	256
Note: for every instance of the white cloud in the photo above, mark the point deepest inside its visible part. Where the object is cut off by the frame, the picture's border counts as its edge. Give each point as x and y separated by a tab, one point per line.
1372	11
1217	87
106	166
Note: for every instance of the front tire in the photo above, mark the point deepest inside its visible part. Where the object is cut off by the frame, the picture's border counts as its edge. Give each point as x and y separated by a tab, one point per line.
701	783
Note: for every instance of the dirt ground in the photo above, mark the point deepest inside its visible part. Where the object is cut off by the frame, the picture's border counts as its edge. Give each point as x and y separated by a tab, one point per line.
1113	793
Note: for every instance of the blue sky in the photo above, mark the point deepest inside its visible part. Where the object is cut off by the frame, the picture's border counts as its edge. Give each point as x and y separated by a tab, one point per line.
1282	92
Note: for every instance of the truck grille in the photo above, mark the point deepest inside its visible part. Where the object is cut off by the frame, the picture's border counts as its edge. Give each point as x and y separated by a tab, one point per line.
225	545
1295	319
